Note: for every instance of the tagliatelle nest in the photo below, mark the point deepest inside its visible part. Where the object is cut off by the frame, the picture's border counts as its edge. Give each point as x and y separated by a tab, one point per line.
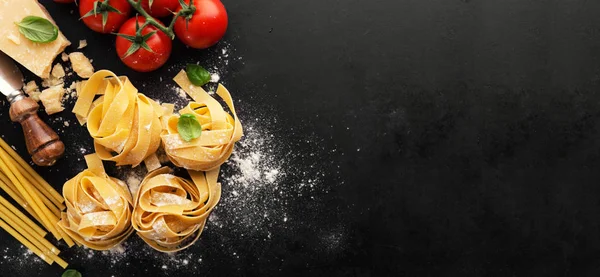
98	208
125	124
220	130
170	212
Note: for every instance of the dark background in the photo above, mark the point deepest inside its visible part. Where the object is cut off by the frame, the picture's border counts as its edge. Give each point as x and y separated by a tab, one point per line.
466	134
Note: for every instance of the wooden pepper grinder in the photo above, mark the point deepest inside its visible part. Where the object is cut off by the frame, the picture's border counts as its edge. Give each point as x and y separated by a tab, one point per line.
43	144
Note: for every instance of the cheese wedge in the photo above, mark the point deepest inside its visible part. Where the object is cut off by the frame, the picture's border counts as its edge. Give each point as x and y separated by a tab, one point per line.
37	57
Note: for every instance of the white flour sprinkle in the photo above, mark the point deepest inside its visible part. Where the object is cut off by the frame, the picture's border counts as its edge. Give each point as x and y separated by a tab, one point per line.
214	78
179	97
134	249
271	176
259	182
119	249
20	257
133	177
249	167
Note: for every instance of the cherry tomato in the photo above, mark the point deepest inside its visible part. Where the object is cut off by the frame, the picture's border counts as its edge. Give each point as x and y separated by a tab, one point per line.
206	27
160	8
143	60
114	19
64	1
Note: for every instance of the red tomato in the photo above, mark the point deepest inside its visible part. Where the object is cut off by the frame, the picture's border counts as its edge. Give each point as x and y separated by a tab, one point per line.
206	27
143	60
160	8
64	1
114	19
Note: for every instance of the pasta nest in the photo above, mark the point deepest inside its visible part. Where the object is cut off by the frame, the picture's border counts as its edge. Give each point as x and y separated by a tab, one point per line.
170	212
99	208
125	124
220	130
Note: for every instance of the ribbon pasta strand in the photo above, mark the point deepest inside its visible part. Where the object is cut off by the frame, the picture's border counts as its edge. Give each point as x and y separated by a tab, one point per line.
98	207
170	212
125	124
220	130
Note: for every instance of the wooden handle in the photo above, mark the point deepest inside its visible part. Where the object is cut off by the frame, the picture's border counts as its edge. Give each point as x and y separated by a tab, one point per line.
43	144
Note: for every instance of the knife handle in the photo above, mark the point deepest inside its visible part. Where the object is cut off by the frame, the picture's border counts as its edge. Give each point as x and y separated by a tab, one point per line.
43	144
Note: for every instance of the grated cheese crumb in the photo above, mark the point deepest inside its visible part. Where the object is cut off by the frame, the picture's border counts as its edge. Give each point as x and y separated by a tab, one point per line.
82	44
32	89
64	57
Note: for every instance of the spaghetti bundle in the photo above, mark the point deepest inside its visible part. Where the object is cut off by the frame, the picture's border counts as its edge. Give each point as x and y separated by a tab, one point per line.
38	198
170	212
98	207
125	124
220	130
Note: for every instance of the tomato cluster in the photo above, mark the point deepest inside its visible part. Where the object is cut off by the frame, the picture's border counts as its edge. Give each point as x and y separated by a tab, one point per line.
149	48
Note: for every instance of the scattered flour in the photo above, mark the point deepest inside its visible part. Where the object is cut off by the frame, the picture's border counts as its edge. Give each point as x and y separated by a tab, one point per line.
260	181
132	176
20	257
135	250
214	78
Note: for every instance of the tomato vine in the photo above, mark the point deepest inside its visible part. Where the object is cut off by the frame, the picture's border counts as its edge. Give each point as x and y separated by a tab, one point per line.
186	11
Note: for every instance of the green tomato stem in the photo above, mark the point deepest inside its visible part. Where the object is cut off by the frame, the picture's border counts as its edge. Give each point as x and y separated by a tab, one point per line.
152	21
139	31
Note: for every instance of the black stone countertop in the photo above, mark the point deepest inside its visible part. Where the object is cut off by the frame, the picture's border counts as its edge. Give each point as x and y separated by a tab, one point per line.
409	138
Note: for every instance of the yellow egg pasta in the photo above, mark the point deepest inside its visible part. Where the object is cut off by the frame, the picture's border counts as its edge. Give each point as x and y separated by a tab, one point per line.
98	207
125	124
30	191
220	130
170	212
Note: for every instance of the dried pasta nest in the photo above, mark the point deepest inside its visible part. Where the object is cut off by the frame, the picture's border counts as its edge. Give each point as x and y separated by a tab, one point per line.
99	208
220	130
125	124
170	212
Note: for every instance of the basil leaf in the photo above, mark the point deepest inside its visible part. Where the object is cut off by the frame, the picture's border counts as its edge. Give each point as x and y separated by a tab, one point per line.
197	74
38	29
71	273
188	127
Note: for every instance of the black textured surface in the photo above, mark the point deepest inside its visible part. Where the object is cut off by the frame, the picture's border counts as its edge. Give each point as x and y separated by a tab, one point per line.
466	133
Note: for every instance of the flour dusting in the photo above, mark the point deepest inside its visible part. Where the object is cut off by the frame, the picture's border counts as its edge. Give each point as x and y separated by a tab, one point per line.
20	257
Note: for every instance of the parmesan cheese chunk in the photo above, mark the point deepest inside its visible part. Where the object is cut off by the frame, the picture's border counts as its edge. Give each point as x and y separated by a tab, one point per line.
81	65
52	81
52	99
58	71
37	57
32	89
64	57
56	77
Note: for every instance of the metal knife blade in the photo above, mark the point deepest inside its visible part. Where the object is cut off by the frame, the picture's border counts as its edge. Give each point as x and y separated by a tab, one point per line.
11	78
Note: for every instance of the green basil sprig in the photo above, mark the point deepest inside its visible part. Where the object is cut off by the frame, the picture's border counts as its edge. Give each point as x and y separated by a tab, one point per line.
197	74
188	127
71	273
38	29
